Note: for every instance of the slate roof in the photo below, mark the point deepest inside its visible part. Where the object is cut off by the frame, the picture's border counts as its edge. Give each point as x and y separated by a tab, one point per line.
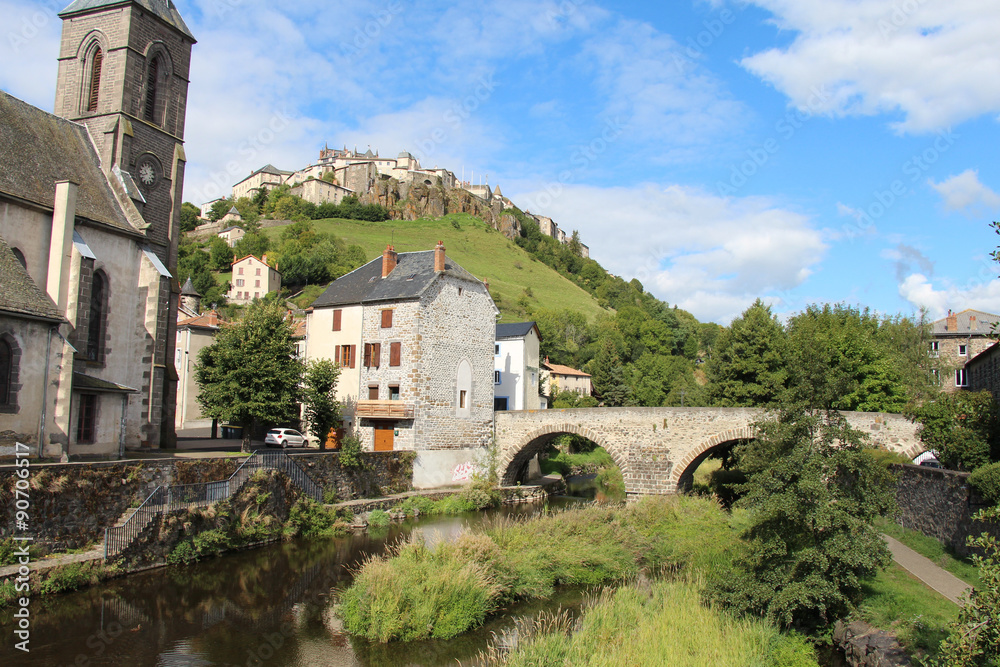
39	149
88	383
20	295
188	288
516	330
413	274
983	324
162	9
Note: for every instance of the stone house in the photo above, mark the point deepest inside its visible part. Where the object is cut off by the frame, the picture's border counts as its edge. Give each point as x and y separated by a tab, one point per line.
557	377
515	367
267	178
252	279
413	334
231	235
956	339
318	191
90	200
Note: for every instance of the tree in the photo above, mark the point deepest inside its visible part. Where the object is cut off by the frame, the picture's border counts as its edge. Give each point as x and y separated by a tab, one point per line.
962	427
974	639
219	209
814	489
608	376
220	255
320	406
189	216
748	367
250	374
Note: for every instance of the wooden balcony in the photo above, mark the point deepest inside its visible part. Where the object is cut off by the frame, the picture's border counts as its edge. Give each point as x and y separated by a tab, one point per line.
384	410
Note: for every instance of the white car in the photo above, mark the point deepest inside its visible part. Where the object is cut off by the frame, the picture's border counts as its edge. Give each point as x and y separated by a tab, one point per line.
285	437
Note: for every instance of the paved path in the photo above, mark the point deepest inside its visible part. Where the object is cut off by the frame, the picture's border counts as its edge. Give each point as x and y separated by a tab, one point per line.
924	569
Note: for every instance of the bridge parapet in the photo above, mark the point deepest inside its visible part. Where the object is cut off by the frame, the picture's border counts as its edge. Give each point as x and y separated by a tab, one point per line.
658	449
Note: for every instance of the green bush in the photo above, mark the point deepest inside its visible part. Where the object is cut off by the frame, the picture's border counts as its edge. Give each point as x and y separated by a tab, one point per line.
73	576
986	480
378	519
307	518
350	453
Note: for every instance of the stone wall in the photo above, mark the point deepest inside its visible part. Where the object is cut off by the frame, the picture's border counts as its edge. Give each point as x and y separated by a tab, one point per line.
382	473
940	504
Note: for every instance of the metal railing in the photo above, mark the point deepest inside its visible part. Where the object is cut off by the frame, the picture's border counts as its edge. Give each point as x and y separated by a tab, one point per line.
189	496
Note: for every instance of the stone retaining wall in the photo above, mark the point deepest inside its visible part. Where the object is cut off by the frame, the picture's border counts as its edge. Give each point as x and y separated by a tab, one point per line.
940	504
381	473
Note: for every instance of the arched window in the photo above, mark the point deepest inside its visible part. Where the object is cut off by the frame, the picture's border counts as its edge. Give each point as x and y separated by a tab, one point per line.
98	315
94	82
463	393
19	256
151	83
6	373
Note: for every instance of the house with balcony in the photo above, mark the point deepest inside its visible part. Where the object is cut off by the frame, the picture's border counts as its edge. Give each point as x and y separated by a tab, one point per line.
515	367
413	334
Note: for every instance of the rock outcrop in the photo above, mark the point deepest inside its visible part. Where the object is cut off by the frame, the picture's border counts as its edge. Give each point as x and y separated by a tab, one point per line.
865	646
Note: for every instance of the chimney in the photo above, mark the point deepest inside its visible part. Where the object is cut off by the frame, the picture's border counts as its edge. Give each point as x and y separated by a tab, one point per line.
61	242
439	257
951	322
486	284
389	259
972	323
213	318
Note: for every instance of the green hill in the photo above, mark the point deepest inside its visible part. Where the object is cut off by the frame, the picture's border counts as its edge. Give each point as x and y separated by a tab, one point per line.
516	278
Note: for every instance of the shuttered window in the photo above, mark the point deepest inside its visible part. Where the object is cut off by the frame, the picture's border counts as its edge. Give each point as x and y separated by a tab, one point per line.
373	355
151	81
95	80
344	355
387	319
395	352
336	319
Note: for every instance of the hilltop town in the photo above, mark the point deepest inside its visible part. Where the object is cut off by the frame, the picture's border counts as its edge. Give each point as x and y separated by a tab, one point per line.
401	185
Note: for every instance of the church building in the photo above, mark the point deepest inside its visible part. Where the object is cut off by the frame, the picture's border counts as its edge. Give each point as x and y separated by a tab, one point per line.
90	200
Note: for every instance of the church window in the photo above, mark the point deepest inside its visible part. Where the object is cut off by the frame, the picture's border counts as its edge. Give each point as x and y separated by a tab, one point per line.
94	83
98	315
463	397
151	83
86	421
6	373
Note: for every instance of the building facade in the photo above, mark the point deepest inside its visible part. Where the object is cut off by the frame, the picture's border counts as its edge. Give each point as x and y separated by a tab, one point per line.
193	334
557	377
252	279
516	367
413	334
90	203
955	340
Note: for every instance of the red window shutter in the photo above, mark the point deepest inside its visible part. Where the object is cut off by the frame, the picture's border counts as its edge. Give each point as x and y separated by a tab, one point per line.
387	319
376	354
394	353
336	319
336	353
353	355
368	355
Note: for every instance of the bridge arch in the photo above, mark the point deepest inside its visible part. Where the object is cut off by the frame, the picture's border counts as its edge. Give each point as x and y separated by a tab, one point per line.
517	456
682	475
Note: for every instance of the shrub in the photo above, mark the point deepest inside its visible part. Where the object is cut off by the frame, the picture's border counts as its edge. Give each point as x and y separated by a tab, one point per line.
986	480
378	519
350	453
73	576
307	518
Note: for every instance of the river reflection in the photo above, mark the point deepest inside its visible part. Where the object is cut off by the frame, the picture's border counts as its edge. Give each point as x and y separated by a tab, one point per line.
269	606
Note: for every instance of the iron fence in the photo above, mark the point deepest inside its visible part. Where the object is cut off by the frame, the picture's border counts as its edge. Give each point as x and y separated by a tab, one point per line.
189	496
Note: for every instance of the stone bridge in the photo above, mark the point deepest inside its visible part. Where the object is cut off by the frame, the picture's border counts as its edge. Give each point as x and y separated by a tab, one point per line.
658	449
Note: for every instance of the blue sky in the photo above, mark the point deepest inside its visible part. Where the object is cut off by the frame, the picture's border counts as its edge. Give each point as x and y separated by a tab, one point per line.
800	151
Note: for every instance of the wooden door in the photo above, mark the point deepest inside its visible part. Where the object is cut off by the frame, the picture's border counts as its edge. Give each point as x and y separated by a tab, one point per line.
383	436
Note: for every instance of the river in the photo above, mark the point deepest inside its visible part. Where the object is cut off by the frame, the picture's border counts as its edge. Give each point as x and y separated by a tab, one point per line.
269	606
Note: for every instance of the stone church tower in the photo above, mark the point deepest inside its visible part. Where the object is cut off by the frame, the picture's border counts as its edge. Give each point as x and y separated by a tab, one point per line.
123	73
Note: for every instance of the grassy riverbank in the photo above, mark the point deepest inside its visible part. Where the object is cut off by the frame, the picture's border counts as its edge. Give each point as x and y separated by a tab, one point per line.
649	624
420	593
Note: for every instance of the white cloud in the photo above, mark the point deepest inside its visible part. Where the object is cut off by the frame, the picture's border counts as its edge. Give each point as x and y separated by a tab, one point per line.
921	292
927	60
709	255
656	90
964	192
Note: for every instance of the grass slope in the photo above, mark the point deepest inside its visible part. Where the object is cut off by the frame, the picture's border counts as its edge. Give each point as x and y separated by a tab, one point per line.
481	250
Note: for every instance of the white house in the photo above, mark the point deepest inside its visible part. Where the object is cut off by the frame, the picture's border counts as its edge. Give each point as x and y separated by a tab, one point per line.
515	367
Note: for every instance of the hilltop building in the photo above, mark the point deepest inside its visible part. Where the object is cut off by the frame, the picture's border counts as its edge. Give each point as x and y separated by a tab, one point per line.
515	367
252	279
413	334
267	178
231	235
91	199
956	339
